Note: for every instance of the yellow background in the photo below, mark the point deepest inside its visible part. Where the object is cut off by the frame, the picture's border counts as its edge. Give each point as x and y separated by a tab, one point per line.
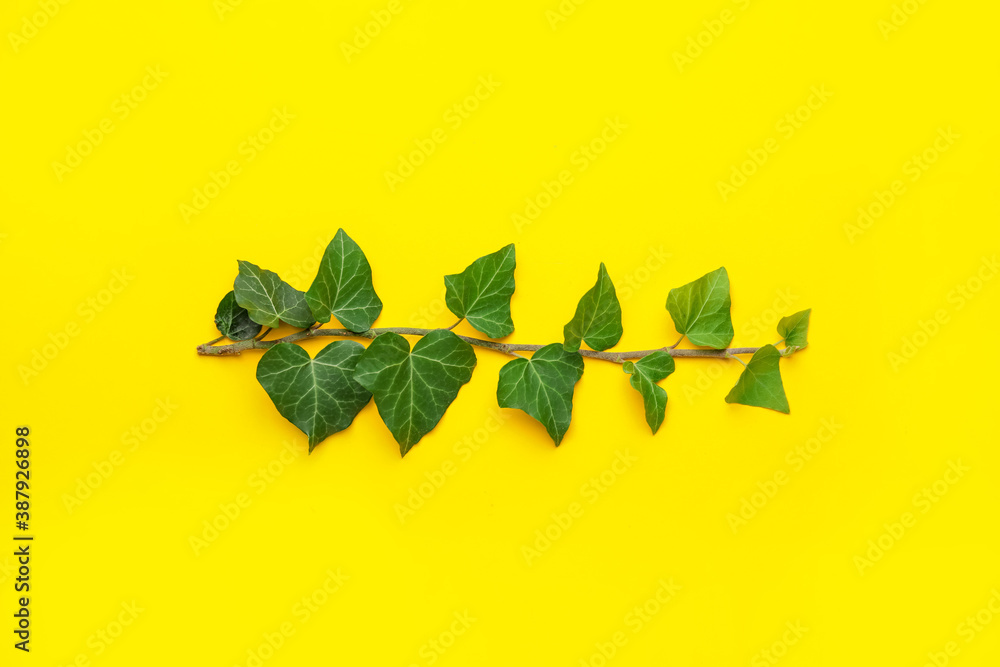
653	190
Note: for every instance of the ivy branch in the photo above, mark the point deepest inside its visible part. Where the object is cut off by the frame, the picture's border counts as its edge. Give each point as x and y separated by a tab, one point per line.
209	349
413	388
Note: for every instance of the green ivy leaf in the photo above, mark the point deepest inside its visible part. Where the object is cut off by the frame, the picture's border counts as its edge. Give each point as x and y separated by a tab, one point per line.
233	321
760	384
700	310
343	286
543	387
598	318
481	294
268	299
794	329
319	395
645	374
413	389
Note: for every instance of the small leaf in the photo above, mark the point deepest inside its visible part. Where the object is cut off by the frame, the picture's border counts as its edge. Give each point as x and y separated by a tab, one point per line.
700	310
268	299
318	395
343	286
795	329
413	389
760	384
645	374
233	321
543	387
598	318
481	294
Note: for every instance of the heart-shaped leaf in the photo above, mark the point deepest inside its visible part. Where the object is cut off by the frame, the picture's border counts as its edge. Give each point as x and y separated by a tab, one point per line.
268	299
343	286
543	387
318	395
700	310
760	384
645	374
598	318
481	294
413	389
794	329
233	321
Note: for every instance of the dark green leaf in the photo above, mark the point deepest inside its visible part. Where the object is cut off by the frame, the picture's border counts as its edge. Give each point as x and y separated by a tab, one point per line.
343	286
760	384
268	299
795	329
233	321
413	389
543	387
645	374
598	318
700	310
319	395
481	294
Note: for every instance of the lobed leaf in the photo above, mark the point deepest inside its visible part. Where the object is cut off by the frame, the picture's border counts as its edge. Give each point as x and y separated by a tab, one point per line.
413	389
760	384
269	300
700	310
481	293
320	395
543	387
343	286
794	329
645	374
233	321
598	318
